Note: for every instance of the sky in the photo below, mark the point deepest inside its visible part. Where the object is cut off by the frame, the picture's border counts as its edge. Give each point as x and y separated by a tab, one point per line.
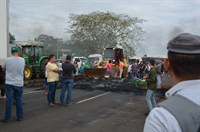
165	19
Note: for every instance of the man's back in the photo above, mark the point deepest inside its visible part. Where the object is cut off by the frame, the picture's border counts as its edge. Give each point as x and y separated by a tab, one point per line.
14	70
68	69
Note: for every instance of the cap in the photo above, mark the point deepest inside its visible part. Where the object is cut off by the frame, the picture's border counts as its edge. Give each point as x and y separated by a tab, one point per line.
185	43
14	49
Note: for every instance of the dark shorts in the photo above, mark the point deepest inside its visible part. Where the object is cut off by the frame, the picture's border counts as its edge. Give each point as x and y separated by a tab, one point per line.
45	82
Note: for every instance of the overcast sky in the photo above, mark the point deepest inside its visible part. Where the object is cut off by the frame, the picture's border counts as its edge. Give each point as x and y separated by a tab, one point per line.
165	18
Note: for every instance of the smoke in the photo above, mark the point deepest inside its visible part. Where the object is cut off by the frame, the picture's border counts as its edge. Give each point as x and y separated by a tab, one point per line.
174	32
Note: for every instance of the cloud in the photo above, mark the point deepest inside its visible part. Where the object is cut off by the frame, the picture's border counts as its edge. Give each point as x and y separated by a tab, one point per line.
165	18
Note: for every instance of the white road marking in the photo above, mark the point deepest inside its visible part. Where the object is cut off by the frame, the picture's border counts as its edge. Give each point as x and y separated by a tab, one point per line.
92	98
32	92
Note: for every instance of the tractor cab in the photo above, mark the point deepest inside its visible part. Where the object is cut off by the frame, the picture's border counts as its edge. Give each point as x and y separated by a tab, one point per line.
35	60
32	54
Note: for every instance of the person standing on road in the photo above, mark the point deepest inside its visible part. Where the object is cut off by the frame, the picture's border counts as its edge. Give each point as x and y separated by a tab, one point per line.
52	79
67	81
159	74
14	84
181	111
108	69
130	71
151	80
121	65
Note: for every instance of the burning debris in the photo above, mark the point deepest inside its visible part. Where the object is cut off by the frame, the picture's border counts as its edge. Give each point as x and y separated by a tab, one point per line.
121	85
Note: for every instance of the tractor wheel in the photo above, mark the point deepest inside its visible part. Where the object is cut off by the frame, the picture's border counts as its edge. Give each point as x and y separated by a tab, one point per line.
42	67
28	72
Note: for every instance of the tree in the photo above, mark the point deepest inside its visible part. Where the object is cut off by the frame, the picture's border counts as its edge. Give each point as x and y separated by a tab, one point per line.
11	38
98	30
52	45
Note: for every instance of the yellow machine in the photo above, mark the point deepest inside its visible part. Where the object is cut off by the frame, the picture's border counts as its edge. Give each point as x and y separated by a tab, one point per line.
115	55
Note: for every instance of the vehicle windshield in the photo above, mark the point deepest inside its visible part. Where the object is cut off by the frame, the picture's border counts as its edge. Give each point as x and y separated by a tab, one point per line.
109	53
93	59
83	59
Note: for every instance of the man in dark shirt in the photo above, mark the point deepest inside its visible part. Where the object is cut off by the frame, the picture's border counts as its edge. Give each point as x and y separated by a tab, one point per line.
67	81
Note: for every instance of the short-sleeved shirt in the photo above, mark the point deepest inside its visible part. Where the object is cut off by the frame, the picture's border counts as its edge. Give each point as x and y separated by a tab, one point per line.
14	71
68	70
108	67
121	64
52	76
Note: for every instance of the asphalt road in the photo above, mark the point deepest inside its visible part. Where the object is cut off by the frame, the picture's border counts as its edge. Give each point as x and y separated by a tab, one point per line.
92	111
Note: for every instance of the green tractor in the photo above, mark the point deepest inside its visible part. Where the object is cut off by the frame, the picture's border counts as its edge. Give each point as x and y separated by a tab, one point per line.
35	61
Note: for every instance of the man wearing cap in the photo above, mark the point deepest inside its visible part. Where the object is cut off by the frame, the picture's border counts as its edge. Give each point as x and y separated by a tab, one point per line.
14	84
181	111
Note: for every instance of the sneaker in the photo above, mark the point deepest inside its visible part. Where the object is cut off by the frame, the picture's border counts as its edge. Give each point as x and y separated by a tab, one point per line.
19	119
5	121
67	105
51	104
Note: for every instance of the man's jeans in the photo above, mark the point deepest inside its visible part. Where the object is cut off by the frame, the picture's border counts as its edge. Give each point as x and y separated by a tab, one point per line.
129	75
150	99
51	92
159	81
110	74
13	92
66	84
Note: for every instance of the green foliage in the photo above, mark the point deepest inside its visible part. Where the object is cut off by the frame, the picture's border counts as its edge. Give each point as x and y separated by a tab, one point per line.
98	30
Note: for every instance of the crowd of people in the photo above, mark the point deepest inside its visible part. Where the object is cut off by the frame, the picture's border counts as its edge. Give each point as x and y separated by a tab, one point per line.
180	112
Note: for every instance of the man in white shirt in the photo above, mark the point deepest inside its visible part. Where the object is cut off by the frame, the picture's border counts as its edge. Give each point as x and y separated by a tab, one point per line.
184	66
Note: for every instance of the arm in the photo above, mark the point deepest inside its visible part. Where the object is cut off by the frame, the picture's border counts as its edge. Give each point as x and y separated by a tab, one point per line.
152	76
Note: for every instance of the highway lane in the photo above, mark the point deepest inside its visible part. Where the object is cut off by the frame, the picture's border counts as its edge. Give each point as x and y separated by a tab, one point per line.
91	111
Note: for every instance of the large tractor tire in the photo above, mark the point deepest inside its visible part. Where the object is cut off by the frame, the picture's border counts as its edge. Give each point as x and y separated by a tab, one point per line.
42	67
28	72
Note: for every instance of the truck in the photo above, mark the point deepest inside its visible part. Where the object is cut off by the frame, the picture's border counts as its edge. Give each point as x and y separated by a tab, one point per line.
4	37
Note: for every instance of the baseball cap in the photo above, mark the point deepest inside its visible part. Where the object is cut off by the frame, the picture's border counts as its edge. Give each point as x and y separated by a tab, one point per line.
185	43
14	49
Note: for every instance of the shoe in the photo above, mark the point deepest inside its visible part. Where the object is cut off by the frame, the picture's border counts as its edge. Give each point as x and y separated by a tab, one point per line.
3	97
51	104
55	102
19	119
45	93
147	113
67	105
5	121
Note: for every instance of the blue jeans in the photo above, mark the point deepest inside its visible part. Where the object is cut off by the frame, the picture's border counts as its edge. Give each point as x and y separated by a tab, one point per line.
76	71
13	92
110	74
159	81
129	75
150	99
51	92
60	73
66	84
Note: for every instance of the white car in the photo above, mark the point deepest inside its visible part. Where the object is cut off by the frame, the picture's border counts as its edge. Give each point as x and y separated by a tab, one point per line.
79	60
